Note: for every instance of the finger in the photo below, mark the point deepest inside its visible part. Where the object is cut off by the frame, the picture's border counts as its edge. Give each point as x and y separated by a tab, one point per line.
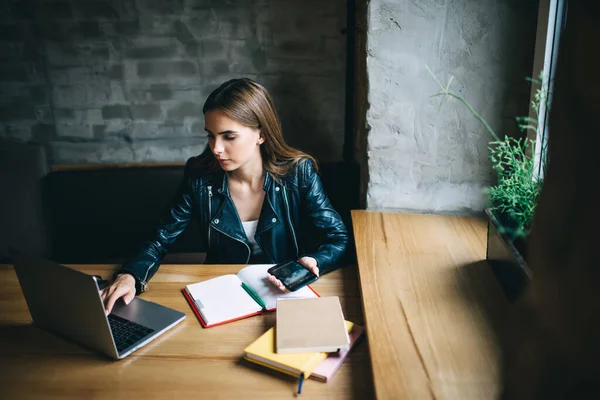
315	270
116	295
129	296
278	283
108	293
312	268
308	263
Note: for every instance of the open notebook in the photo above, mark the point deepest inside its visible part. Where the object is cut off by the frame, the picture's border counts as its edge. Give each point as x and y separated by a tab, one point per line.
228	298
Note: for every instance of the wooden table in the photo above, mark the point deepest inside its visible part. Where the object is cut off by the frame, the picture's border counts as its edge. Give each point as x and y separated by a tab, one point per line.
431	305
186	362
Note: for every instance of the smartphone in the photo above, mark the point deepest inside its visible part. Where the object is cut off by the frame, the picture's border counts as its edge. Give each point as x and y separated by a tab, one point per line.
292	274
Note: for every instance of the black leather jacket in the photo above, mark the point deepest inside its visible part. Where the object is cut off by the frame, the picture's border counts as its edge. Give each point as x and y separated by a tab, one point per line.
296	220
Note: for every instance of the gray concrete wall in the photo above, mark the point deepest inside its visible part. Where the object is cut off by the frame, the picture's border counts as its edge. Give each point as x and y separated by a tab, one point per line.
418	159
124	81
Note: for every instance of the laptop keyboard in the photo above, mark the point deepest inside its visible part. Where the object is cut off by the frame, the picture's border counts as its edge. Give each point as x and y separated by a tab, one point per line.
126	332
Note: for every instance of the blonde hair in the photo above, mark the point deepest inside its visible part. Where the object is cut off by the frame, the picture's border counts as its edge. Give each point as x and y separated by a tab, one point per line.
250	104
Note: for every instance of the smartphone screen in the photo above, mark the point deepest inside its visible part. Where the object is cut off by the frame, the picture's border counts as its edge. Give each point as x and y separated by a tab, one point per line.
292	274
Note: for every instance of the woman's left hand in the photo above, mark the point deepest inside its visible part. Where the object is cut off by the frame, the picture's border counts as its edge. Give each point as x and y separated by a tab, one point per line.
307	262
310	264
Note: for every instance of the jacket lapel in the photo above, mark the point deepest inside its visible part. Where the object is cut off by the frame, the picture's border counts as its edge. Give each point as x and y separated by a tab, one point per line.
227	220
268	216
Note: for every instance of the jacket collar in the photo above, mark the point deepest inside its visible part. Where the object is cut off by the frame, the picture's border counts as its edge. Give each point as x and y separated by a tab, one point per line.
227	219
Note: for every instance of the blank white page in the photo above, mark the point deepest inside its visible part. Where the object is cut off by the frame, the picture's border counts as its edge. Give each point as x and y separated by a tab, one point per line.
222	299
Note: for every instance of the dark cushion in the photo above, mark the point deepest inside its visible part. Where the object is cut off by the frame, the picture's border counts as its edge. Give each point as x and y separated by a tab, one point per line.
103	215
341	181
22	166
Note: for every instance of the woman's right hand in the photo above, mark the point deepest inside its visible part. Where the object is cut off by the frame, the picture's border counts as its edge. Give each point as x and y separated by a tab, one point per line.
123	286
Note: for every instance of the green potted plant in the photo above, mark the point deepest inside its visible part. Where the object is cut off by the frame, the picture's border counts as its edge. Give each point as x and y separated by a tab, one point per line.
513	199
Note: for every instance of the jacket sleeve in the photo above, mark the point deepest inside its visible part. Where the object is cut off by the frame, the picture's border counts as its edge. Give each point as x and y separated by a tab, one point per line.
177	217
324	219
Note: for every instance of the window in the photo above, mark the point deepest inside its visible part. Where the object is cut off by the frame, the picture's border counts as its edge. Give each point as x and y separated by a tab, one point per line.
551	20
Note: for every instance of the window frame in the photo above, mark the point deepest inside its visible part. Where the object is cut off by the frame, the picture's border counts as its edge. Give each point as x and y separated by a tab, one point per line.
552	16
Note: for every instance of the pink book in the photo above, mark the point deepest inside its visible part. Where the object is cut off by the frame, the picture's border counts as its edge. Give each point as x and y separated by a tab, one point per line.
328	367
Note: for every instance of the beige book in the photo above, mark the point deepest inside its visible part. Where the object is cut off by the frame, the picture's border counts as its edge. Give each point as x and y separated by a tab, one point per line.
310	325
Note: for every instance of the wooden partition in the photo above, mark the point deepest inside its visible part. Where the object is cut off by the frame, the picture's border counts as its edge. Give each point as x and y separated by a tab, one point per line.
432	305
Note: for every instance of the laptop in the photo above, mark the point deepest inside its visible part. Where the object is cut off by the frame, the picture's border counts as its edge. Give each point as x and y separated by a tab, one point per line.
68	303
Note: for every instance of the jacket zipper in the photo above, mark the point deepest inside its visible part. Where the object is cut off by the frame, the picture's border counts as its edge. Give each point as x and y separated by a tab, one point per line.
241	241
209	212
287	208
143	283
209	226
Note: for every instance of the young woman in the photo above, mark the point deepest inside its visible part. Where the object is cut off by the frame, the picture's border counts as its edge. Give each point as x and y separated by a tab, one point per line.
257	200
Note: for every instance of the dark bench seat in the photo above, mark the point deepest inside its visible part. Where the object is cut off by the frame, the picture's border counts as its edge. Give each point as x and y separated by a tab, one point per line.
102	213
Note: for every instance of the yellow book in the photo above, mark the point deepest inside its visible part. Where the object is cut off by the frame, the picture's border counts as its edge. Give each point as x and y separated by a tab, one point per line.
262	351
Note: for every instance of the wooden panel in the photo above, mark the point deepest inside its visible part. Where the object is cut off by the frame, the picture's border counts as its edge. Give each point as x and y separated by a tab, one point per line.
430	303
71	167
187	362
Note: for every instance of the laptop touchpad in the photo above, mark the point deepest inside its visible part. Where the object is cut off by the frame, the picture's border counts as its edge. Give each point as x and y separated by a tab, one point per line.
146	313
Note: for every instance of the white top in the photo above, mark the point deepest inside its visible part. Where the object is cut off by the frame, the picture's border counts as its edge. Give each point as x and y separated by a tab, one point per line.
250	229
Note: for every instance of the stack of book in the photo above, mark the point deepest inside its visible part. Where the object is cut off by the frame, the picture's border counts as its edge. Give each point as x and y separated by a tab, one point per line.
311	339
